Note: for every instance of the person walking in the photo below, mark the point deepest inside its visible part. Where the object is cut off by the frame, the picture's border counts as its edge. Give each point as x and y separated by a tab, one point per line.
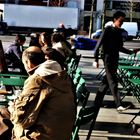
111	41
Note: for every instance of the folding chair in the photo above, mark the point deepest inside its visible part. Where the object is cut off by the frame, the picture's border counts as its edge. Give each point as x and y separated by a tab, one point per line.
73	64
78	70
76	79
129	60
85	116
80	82
124	74
15	81
135	89
82	95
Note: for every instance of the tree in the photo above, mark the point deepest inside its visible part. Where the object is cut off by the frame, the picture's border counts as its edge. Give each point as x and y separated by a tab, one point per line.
91	19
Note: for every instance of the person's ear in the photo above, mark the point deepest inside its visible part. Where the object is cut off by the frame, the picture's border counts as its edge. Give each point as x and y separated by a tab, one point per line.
114	19
30	64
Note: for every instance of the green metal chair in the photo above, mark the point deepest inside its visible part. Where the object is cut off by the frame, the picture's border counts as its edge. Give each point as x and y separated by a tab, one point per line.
129	60
85	116
73	65
124	74
82	95
76	78
135	90
15	81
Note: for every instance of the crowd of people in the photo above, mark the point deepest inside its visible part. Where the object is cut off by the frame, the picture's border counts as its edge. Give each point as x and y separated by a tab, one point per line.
45	109
54	46
46	106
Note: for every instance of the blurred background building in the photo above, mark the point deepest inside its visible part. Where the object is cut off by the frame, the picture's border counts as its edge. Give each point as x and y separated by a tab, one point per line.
93	14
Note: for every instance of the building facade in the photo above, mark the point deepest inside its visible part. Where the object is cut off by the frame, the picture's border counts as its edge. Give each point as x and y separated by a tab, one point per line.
100	10
130	7
104	10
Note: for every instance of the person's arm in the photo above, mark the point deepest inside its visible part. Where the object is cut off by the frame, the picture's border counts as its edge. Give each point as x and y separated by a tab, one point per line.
96	50
98	45
29	103
16	52
127	51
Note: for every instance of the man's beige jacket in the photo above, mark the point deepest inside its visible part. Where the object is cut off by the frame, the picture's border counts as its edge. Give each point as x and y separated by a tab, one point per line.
45	110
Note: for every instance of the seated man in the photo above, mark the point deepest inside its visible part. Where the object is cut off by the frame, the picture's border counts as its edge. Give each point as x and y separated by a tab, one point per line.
45	110
14	53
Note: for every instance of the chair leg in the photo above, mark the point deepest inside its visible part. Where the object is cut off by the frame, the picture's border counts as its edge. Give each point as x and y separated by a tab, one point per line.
134	118
92	123
90	129
100	74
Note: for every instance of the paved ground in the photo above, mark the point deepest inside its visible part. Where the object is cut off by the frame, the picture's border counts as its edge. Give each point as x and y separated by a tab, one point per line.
110	125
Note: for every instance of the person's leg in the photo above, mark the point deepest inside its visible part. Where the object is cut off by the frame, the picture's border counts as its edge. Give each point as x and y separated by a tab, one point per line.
113	85
101	93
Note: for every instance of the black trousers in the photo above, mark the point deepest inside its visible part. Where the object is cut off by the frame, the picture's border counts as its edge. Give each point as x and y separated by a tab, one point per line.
109	82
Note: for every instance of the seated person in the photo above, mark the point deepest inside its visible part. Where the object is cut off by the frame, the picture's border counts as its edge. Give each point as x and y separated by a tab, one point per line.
45	41
53	54
45	110
60	43
14	53
34	40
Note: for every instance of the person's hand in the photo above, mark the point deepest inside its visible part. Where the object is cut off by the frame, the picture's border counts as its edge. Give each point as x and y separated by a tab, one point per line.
95	64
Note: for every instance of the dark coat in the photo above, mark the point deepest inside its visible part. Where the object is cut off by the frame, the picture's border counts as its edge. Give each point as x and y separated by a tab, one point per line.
111	41
13	56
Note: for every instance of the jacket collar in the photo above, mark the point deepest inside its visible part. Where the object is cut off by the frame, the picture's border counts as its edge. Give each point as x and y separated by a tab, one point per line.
31	72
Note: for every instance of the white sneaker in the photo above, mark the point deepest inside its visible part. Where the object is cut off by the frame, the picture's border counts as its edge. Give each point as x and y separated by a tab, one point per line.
121	108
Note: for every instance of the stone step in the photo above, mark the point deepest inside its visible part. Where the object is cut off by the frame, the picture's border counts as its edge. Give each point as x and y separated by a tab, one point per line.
103	135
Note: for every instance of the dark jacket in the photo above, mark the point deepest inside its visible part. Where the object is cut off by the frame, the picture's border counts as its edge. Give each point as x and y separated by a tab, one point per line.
111	41
13	55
